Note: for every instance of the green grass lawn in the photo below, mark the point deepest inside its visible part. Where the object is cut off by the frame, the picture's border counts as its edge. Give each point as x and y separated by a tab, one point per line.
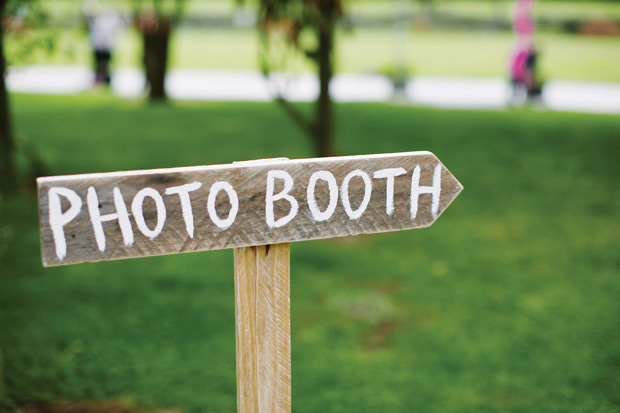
509	302
432	52
428	52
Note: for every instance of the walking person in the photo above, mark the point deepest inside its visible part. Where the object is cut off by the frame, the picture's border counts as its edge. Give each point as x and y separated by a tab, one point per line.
523	73
104	28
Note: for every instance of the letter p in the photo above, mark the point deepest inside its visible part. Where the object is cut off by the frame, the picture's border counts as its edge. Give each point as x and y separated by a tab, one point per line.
59	219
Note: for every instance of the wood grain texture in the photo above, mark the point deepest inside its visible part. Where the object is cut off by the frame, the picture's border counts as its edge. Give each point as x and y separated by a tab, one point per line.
137	191
262	309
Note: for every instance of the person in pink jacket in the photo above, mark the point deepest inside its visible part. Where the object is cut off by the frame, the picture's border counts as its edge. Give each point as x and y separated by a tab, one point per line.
525	84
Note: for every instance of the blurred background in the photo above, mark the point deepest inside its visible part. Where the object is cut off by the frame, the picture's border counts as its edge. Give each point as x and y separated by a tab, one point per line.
509	302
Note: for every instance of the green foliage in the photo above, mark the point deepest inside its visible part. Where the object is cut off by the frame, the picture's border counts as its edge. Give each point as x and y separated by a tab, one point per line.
161	8
21	8
294	26
21	20
509	302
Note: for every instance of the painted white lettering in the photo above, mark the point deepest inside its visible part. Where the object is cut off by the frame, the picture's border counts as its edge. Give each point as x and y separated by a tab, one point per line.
271	198
59	219
138	214
186	204
234	204
417	190
333	195
97	219
344	193
389	173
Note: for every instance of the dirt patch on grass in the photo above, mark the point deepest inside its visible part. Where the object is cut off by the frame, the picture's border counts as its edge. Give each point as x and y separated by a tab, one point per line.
378	339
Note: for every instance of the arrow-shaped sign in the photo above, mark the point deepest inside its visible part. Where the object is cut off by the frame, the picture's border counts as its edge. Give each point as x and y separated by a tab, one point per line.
106	216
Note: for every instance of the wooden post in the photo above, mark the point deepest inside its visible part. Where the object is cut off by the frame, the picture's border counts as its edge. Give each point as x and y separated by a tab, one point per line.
262	310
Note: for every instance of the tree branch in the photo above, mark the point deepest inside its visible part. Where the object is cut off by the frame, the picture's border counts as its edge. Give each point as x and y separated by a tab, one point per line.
298	117
301	120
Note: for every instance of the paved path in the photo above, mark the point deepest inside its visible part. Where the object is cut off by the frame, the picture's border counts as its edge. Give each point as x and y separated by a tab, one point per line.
443	92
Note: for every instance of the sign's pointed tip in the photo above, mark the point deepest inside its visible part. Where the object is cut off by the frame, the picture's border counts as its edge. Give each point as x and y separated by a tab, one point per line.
457	190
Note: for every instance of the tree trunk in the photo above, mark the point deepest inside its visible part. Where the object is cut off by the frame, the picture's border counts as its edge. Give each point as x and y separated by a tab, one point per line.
323	134
7	169
156	58
7	173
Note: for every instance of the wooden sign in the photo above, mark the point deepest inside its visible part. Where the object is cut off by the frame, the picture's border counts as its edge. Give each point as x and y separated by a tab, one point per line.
256	207
116	215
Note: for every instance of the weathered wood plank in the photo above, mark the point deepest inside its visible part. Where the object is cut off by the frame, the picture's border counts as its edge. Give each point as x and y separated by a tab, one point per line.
118	215
262	312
